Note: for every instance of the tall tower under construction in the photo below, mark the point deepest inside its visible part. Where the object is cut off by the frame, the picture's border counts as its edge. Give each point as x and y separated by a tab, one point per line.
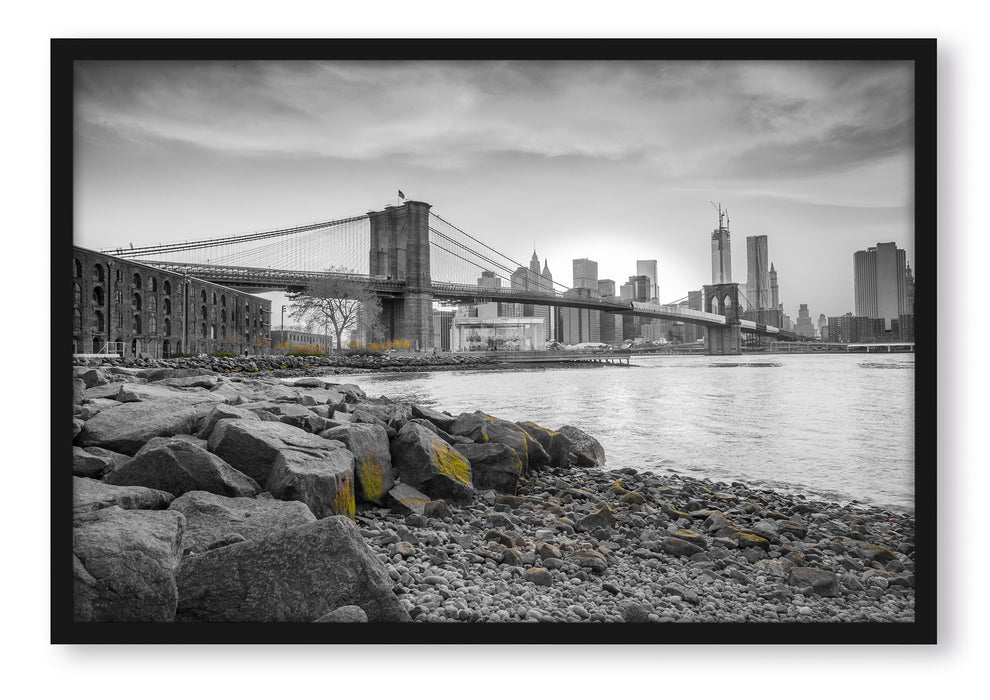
721	252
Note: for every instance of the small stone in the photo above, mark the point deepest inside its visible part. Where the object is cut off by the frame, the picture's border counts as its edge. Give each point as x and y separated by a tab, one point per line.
538	576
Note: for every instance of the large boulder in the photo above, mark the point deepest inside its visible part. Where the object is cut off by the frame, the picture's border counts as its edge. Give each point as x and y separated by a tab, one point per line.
124	564
296	575
471	425
441	420
251	446
493	466
90	494
218	413
586	451
86	464
322	480
556	445
527	448
78	391
157	374
176	465
210	517
406	500
372	459
125	428
431	465
142	392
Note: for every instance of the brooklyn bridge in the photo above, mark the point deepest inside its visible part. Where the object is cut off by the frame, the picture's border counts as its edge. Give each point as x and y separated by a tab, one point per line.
409	257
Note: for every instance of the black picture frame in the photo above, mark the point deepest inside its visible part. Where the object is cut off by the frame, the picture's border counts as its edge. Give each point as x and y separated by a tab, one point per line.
922	52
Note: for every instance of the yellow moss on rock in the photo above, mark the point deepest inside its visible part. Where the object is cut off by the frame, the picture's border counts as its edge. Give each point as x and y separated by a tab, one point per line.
451	463
372	478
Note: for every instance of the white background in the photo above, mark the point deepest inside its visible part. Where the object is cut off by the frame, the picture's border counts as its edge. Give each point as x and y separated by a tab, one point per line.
32	667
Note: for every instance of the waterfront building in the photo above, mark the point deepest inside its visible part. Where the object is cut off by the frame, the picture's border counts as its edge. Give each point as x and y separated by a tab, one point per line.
136	310
721	250
880	281
611	328
648	268
606	288
757	274
854	329
909	290
442	322
496	334
804	326
288	339
822	326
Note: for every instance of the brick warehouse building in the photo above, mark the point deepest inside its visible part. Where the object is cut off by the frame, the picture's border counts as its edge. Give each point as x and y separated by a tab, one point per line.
149	312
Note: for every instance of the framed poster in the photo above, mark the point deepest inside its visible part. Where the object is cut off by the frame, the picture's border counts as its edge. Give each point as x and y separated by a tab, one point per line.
414	332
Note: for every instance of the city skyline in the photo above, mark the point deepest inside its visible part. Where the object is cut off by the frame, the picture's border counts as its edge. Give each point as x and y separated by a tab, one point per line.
817	156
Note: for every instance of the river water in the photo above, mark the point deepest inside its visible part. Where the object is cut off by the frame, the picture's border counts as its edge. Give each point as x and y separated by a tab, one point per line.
838	427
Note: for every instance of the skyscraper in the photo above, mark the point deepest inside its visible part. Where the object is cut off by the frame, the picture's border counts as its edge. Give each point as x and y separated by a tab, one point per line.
757	273
533	279
721	251
648	268
585	274
880	281
774	289
804	326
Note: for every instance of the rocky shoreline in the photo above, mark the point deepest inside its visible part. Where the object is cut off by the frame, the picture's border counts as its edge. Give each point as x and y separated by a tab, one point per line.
211	495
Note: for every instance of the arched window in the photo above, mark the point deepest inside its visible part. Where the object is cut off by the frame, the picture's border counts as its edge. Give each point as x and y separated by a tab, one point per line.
213	331
214	298
223	315
167	306
76	294
152	324
247	338
118	296
76	268
223	300
137	323
167	287
213	315
154	284
98	321
97	273
202	313
153	305
120	319
202	331
119	276
97	344
202	296
167	327
76	321
137	280
137	301
98	296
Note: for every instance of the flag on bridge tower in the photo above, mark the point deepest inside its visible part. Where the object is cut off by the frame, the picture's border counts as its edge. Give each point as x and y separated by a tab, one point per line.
401	196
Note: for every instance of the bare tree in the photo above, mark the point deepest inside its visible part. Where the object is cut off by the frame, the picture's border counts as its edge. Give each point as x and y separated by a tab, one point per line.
335	303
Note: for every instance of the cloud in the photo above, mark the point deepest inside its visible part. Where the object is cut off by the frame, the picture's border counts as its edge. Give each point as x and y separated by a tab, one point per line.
681	119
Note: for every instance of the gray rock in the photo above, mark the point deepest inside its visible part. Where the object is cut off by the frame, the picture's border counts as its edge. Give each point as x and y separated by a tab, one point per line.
824	583
252	447
89	495
538	576
211	518
678	547
127	427
603	517
372	459
556	445
407	500
585	450
324	481
437	509
178	466
471	425
493	466
345	613
86	464
124	564
441	420
78	391
295	575
218	413
429	464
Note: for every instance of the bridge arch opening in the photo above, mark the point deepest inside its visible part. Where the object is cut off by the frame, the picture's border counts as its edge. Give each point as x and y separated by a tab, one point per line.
713	305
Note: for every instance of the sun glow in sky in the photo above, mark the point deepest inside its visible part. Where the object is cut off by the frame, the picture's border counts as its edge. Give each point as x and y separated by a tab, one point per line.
614	161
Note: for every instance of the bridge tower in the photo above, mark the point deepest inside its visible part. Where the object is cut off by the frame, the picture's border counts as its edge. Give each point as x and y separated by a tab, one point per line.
400	250
723	299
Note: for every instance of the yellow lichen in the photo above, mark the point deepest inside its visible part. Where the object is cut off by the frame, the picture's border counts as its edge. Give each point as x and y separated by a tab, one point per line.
451	463
372	478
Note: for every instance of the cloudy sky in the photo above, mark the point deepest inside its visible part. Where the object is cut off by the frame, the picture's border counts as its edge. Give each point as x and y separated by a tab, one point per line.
614	161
